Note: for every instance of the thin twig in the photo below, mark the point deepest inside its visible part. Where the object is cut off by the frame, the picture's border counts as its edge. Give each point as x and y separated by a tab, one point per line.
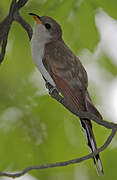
60	164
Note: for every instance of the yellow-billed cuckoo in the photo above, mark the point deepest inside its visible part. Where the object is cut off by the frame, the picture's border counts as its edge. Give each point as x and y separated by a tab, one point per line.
64	71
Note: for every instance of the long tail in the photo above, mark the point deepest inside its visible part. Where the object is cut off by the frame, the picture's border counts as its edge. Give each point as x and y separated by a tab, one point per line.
87	129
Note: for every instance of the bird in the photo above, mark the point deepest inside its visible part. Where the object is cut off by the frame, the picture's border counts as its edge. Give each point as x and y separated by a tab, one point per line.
63	70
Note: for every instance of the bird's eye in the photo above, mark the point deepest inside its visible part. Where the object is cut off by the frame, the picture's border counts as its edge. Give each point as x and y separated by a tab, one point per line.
48	26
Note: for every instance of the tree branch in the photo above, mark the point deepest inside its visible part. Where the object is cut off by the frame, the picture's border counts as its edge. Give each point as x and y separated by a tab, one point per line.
59	164
5	26
81	114
24	24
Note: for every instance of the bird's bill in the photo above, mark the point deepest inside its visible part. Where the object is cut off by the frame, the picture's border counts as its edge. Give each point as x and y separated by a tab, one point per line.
36	17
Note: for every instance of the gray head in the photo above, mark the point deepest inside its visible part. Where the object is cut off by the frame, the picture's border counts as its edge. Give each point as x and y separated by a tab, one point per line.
47	28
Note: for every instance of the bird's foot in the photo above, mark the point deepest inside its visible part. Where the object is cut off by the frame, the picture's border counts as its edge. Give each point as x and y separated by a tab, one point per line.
54	93
53	90
48	85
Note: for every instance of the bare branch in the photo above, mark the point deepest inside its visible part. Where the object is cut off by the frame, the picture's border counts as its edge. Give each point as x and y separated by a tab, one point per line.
24	24
21	3
3	50
12	8
81	114
59	164
5	25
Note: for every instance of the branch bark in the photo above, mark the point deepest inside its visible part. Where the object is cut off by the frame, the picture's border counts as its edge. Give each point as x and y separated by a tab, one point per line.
81	114
5	26
60	164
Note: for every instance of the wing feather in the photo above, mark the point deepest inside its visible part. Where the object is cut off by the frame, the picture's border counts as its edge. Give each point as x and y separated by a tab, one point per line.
67	72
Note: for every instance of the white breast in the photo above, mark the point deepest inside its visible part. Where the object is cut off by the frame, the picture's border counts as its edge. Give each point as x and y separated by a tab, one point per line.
37	50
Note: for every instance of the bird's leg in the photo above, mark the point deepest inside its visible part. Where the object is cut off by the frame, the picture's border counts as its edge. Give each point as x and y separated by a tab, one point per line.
47	85
50	87
55	94
53	91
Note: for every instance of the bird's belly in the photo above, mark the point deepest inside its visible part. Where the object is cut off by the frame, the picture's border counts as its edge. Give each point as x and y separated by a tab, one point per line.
37	56
45	73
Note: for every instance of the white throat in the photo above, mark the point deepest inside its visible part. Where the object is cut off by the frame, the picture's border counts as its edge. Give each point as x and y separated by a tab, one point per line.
39	39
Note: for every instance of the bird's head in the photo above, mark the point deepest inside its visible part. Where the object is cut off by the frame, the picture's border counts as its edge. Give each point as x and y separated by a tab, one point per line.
47	28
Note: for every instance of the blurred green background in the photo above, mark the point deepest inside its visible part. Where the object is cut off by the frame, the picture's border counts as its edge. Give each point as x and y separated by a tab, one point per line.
34	128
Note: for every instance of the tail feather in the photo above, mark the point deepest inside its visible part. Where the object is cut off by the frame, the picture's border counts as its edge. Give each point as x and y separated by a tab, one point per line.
87	129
